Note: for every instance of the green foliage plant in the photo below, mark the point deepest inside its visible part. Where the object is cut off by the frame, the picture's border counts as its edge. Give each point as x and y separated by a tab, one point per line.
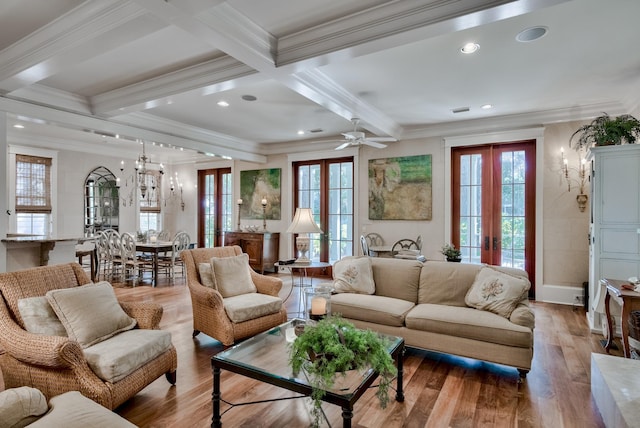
451	252
333	346
606	130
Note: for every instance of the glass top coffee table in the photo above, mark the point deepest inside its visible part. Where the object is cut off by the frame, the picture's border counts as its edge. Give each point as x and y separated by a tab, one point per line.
265	357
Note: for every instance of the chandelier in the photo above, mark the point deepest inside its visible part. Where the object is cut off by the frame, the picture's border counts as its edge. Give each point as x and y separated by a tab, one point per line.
142	173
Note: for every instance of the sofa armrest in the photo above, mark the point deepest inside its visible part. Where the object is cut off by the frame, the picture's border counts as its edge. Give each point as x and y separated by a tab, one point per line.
270	285
523	315
148	315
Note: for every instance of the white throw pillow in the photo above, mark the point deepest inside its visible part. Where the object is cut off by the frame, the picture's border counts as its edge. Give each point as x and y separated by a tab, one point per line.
90	313
21	406
206	275
353	275
497	292
38	317
232	276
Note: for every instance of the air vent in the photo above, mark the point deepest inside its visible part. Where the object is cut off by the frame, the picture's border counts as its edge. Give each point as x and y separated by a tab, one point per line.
315	131
460	110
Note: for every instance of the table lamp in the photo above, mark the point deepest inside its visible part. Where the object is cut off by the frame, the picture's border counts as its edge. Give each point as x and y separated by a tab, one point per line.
303	224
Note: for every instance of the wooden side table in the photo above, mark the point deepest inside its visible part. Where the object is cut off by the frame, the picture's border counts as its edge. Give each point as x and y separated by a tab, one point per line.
628	300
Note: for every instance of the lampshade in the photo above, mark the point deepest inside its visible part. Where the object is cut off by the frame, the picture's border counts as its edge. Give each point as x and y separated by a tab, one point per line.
303	222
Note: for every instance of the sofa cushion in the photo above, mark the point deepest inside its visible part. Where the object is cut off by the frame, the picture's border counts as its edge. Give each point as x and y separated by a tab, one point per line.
232	276
371	308
206	275
90	313
20	406
353	275
497	292
468	323
38	317
73	410
115	358
396	278
446	283
250	306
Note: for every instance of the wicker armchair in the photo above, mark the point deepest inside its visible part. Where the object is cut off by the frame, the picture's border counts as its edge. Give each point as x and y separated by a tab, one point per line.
209	316
57	364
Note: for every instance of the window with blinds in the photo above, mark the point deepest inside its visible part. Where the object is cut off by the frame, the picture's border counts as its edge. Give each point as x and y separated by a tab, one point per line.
33	184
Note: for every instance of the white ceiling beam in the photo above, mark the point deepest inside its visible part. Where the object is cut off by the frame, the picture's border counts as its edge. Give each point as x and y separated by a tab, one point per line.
206	143
64	42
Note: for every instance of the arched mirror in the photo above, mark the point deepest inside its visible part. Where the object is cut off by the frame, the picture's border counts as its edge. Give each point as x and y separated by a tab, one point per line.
101	201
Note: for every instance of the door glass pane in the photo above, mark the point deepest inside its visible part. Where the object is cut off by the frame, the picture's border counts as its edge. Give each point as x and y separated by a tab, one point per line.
340	210
209	214
470	207
227	203
513	209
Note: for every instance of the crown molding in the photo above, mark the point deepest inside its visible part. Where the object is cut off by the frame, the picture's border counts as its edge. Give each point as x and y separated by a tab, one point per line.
45	95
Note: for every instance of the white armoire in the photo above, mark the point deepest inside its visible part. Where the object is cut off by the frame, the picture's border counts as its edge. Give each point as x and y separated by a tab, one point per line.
614	236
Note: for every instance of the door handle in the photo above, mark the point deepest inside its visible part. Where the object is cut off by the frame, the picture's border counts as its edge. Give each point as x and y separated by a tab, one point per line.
486	243
495	243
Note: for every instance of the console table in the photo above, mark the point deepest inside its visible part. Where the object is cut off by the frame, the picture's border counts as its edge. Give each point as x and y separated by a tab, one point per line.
628	300
263	248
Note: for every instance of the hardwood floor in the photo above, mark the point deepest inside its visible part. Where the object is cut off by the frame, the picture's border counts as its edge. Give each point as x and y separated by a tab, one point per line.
440	390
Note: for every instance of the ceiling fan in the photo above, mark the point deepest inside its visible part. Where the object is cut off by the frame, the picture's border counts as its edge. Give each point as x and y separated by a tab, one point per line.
357	138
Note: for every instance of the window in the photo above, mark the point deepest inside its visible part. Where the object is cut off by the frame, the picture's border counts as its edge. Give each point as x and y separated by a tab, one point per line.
326	186
33	194
150	213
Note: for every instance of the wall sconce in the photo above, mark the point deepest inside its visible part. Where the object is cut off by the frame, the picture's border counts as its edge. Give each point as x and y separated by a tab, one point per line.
264	214
239	209
172	192
581	177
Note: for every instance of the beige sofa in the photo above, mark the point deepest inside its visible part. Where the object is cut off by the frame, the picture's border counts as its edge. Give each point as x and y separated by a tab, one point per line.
425	304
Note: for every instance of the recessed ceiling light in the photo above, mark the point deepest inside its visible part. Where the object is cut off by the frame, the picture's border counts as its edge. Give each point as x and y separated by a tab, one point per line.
223	104
469	48
19	126
301	132
486	106
530	34
249	98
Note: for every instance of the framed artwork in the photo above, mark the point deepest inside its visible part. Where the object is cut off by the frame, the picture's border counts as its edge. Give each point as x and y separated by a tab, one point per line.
400	188
256	185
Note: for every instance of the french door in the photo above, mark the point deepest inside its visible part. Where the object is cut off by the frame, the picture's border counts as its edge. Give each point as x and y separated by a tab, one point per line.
215	208
493	204
326	186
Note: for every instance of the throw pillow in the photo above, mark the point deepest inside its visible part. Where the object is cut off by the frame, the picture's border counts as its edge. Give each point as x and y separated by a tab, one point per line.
232	276
90	313
206	275
38	317
353	275
496	292
21	406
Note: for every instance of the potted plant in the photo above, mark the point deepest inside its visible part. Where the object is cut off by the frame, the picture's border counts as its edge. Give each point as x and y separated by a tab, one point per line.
451	253
606	130
330	348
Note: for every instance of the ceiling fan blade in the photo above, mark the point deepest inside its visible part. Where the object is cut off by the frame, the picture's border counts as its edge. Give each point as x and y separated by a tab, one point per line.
382	139
374	144
349	135
343	145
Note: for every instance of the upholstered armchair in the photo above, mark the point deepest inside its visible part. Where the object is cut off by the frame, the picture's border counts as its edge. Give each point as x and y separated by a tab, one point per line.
209	313
101	368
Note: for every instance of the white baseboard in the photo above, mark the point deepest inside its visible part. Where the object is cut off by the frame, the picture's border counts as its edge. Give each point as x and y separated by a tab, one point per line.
559	294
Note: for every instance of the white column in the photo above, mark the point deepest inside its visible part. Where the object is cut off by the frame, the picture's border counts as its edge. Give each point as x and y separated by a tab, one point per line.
4	191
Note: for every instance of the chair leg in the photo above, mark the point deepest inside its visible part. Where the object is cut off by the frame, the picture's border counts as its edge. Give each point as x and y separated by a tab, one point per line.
171	377
195	333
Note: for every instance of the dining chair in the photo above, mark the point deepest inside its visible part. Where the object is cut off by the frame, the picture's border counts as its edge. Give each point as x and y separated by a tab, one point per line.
374	240
407	249
171	260
365	245
131	262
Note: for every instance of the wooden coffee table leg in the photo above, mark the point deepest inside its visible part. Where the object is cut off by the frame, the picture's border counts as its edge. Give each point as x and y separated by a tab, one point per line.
399	366
216	422
347	415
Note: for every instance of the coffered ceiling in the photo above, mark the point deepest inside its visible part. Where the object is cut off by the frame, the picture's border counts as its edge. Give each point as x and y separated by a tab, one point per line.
156	70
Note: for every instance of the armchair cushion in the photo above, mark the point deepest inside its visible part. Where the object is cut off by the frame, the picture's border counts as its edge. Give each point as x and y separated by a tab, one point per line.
232	276
39	318
90	313
21	406
115	358
206	275
250	306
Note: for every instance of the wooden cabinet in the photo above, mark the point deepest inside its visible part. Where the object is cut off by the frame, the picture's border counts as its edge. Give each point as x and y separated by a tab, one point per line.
614	248
263	248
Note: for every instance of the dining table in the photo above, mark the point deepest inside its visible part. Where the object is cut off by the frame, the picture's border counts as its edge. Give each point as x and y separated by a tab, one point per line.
155	248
